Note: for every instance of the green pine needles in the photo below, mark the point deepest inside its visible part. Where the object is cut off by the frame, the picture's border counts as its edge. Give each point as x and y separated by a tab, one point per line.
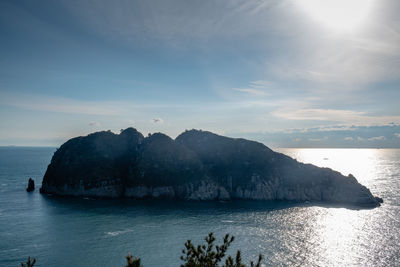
132	262
205	255
28	263
210	255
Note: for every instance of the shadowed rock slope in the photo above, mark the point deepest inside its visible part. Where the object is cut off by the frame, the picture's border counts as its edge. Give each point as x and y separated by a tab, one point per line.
197	165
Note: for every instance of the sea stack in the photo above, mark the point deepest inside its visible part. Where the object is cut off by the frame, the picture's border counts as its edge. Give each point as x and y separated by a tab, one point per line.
31	185
197	165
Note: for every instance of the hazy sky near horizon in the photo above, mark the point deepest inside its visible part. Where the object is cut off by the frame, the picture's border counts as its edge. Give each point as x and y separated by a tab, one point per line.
288	73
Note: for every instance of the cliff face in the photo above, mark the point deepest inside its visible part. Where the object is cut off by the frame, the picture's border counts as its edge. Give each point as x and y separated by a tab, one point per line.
197	165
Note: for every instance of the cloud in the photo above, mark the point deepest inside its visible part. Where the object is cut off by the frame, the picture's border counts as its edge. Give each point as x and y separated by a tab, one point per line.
315	55
317	139
355	136
157	121
251	91
172	23
94	123
351	67
334	115
375	138
255	88
58	104
316	114
342	62
332	128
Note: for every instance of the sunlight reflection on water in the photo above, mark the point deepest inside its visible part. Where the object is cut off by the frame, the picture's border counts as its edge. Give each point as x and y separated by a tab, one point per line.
359	162
343	237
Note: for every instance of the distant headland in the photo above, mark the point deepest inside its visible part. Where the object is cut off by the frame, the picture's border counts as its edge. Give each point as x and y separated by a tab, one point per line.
197	165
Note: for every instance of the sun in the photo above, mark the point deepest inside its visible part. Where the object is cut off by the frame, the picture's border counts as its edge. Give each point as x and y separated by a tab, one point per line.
339	15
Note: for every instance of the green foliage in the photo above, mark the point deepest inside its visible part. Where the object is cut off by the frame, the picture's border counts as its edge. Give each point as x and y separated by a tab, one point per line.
132	262
29	263
206	255
210	255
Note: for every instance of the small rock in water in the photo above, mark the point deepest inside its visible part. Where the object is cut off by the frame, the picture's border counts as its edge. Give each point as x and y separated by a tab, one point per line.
379	199
31	185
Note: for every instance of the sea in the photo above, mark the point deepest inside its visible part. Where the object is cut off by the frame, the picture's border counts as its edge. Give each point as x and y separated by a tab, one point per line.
89	232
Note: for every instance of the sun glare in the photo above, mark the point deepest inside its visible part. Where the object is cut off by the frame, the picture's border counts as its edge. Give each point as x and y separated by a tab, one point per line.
340	15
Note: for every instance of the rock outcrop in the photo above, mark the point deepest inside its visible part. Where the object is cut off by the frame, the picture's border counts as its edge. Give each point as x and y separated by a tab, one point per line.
31	185
197	165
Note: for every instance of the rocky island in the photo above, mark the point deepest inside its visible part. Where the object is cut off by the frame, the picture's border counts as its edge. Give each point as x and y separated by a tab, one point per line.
197	165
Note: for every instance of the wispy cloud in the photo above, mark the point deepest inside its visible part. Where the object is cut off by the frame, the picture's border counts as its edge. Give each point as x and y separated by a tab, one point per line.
75	106
335	115
355	136
172	23
255	88
324	61
317	139
316	114
57	104
376	138
94	123
251	91
157	121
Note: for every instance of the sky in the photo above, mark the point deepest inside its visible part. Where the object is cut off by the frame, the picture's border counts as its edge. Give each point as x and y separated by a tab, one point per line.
288	73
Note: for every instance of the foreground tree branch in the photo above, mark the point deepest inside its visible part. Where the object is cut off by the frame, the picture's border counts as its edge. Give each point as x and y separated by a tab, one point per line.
210	255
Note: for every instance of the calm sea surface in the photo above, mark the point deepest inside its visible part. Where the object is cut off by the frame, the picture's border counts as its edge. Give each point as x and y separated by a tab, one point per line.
86	232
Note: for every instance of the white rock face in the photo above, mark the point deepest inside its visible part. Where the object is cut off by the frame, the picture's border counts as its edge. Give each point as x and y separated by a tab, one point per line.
207	191
137	192
154	192
163	192
346	192
260	190
108	191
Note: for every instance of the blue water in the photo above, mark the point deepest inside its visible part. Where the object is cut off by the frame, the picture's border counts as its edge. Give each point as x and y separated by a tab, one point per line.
86	232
